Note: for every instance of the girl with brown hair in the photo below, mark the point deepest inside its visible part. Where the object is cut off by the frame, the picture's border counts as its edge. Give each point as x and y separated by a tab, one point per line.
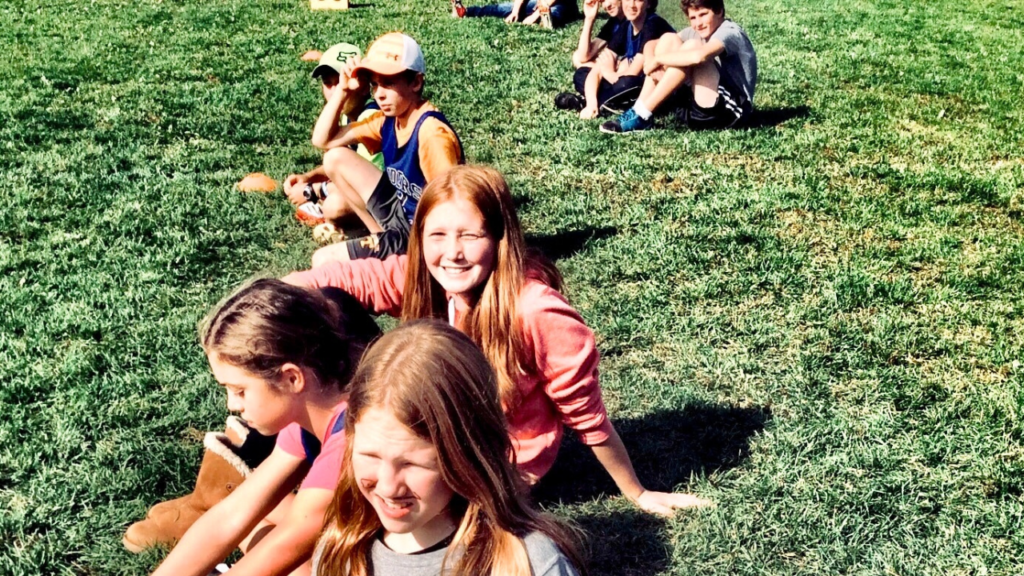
285	356
468	263
428	486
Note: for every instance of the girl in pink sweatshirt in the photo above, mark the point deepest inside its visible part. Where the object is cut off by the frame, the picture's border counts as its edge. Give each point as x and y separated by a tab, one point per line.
468	264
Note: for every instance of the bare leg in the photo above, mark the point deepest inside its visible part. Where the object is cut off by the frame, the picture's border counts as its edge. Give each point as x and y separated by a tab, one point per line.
330	253
353	179
705	84
590	94
656	93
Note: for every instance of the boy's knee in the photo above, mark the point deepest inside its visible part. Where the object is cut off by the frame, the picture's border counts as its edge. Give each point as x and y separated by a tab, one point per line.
669	42
338	157
691	43
335	207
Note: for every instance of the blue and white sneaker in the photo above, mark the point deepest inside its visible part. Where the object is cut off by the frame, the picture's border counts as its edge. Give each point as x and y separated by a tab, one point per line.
628	121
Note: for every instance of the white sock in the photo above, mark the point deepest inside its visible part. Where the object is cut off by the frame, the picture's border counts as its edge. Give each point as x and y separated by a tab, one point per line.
642	110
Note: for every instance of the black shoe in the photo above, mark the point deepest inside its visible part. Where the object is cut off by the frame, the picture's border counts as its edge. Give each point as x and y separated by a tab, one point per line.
569	101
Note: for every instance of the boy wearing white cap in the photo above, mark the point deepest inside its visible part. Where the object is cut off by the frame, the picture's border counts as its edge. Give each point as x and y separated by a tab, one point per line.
308	189
416	140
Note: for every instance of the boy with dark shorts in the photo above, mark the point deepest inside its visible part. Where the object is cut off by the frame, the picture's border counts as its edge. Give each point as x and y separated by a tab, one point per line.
416	140
617	74
709	72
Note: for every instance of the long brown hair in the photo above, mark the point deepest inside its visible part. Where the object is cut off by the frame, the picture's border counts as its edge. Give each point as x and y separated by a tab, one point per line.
438	384
491	321
267	323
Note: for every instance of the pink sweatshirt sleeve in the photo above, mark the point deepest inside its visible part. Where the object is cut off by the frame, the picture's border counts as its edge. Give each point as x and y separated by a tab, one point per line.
377	284
566	357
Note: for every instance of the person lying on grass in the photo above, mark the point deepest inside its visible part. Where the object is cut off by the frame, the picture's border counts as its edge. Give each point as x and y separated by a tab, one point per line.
309	189
416	140
614	80
284	355
427	485
528	12
708	73
468	263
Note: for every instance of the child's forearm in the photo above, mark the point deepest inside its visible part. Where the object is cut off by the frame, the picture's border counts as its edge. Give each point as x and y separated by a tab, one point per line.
582	53
634	67
317	173
327	122
613	457
681	58
205	544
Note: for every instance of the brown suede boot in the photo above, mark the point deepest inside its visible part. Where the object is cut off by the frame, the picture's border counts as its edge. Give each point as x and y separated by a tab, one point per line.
222	470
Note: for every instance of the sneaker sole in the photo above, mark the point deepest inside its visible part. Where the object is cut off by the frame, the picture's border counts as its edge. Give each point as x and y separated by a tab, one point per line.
308	220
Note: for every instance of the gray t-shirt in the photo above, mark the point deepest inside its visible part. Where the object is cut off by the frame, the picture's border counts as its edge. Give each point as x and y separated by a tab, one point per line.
737	65
545	560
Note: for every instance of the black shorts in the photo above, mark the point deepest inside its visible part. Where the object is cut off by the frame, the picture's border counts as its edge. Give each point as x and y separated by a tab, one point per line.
385	207
726	112
611	98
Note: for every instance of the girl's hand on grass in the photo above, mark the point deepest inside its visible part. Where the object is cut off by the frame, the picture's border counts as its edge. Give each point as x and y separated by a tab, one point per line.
532	18
588	113
513	17
665	504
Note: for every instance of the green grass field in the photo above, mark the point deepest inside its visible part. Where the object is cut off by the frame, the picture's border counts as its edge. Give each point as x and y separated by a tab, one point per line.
816	321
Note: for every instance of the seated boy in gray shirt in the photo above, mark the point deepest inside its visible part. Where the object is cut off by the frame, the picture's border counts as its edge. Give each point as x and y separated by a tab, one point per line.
708	73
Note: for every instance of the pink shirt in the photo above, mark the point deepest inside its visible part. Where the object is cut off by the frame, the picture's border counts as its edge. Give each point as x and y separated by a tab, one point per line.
565	389
326	469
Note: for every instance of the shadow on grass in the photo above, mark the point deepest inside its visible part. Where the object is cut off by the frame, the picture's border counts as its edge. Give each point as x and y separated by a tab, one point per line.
624	543
766	117
667	448
567	244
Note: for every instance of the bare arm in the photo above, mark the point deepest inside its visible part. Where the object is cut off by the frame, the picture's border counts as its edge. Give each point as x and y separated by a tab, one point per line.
326	132
586	49
613	457
517	5
223	527
290	544
633	67
690	56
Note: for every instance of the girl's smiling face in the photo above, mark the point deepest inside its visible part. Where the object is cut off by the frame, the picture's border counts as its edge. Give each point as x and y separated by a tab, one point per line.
398	473
457	249
266	407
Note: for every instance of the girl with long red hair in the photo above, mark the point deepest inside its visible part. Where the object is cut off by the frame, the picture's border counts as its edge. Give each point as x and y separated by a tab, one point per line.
468	264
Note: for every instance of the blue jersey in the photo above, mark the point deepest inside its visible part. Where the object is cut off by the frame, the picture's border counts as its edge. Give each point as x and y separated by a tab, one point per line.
402	164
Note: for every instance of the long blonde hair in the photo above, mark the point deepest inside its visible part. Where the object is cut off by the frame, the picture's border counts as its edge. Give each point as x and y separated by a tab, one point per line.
437	383
491	321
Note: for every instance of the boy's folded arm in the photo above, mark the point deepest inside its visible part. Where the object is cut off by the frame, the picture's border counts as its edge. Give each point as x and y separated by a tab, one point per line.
692	56
327	122
634	66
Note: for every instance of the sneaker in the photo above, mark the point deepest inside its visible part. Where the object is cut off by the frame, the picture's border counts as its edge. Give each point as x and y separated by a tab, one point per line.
629	121
458	9
310	214
569	101
620	102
